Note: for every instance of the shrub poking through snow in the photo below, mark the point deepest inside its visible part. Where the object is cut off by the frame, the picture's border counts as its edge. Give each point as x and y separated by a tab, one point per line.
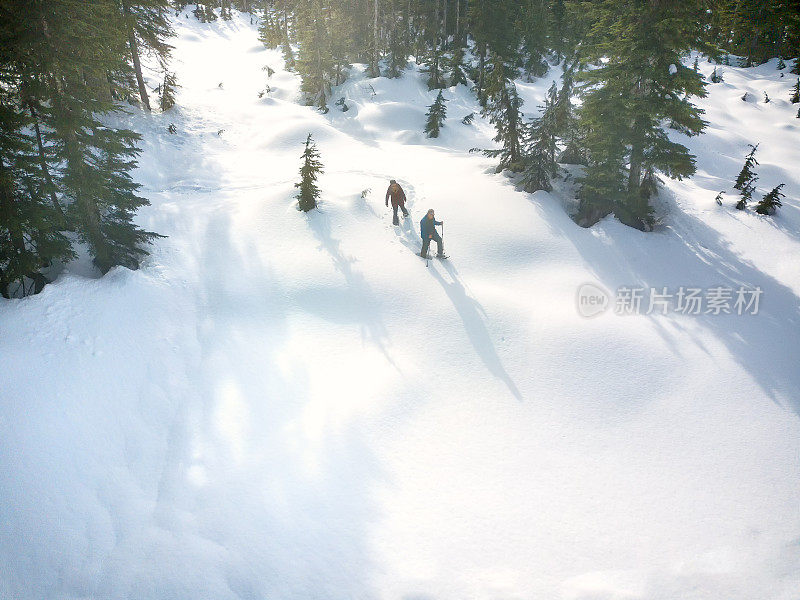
718	199
771	201
468	119
766	98
436	116
309	172
342	104
746	179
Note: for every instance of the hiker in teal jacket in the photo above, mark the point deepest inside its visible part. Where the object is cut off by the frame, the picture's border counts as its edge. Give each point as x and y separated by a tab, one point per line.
427	229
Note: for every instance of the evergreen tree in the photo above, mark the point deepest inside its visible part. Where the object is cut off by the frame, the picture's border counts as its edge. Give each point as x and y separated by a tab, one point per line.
31	235
314	59
436	116
771	201
716	77
167	100
540	147
503	110
795	93
309	172
639	86
398	45
566	121
93	160
745	181
533	22
458	74
433	67
270	32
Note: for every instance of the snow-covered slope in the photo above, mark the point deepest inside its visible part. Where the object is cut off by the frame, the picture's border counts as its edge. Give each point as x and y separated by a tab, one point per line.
293	406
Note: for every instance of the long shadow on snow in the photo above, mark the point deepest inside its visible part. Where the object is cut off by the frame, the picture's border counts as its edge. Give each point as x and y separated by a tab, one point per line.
469	310
358	303
687	254
287	511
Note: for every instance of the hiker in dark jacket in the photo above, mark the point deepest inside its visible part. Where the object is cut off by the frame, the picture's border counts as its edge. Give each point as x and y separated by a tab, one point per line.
398	196
427	229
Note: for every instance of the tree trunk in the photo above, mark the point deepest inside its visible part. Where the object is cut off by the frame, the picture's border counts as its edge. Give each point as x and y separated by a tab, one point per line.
375	68
137	66
635	173
458	22
43	163
444	23
481	72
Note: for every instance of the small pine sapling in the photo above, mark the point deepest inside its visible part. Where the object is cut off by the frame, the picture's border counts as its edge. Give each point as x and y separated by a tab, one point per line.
309	172
467	120
795	92
747	178
167	99
715	76
781	64
771	201
766	98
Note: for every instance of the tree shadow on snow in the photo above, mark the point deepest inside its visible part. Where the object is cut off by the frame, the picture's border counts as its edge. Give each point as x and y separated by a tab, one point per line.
356	303
252	502
689	253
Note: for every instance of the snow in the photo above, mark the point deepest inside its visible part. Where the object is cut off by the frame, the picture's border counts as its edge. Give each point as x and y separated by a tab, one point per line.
282	405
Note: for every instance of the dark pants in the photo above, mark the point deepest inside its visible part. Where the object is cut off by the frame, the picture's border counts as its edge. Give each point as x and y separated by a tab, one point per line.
396	220
427	242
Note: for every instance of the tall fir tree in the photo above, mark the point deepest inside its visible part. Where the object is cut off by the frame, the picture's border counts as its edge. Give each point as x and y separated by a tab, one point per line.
566	119
433	67
541	146
66	90
309	172
315	61
437	112
503	111
148	28
31	227
637	85
458	70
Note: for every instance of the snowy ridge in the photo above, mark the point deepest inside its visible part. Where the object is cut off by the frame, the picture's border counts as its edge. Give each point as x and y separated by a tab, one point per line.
293	406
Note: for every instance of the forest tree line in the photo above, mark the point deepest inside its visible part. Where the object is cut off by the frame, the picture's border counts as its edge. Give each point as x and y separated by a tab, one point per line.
68	66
